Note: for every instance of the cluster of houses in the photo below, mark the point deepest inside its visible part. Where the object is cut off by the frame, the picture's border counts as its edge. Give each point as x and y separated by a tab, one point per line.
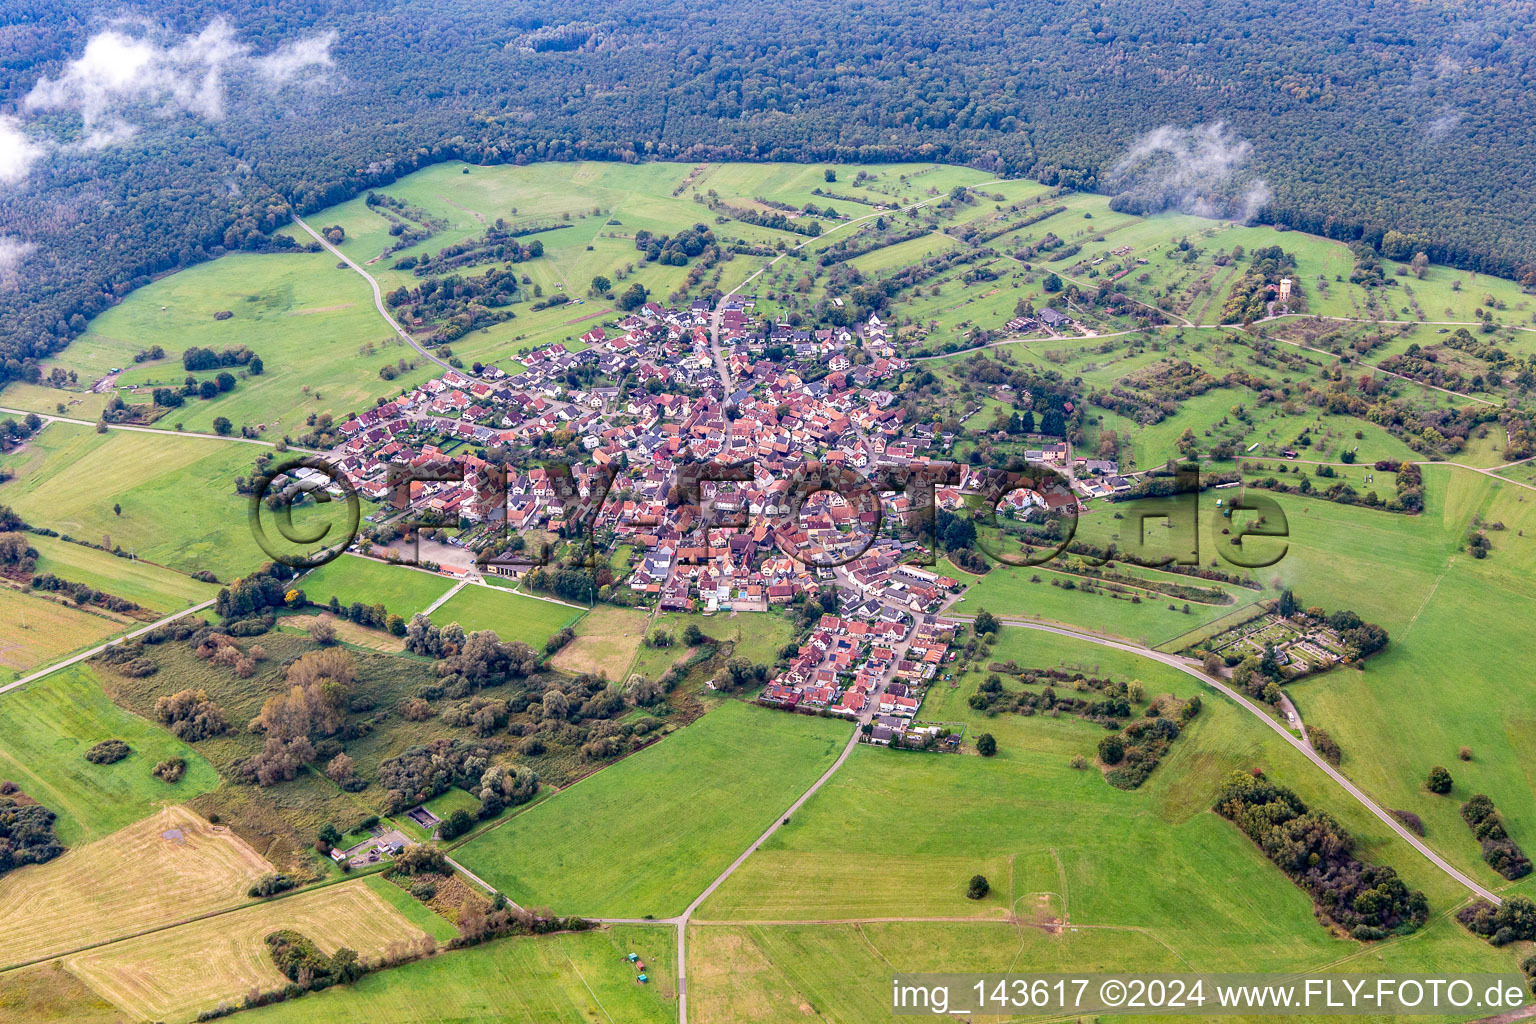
874	671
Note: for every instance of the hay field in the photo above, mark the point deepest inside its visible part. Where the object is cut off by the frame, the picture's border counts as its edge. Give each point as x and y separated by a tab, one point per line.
134	879
607	639
175	974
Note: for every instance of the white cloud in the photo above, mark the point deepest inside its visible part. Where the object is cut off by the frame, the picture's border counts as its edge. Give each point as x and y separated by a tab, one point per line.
118	72
17	152
133	69
1198	170
12	252
290	60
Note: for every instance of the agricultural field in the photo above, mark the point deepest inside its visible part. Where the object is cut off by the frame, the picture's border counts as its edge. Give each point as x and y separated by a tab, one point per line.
170	867
1154	860
41	631
513	617
47	994
320	341
675	815
45	729
177	494
179	972
155	587
146	915
607	640
556	979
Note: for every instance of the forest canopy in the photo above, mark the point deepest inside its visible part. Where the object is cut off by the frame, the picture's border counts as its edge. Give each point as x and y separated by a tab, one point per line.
1349	119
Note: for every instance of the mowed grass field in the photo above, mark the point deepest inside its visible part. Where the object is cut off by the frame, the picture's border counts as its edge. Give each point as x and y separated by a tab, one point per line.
576	978
175	974
153	586
646	835
308	321
38	631
180	507
513	617
353	579
1049	836
607	639
45	729
171	866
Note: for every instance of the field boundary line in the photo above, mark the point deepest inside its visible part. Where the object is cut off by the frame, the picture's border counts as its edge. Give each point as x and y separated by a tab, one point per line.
1349	787
82	656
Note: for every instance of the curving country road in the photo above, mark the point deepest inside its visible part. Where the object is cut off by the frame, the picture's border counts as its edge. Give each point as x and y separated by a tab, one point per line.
378	297
1349	787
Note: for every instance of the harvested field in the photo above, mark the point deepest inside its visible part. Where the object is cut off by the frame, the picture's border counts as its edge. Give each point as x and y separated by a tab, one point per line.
168	867
175	974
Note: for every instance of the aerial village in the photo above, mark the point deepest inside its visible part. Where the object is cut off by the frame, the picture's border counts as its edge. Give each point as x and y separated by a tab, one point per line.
706	386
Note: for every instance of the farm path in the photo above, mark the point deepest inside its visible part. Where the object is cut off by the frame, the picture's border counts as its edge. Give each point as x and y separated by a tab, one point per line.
51	418
378	297
1302	746
74	659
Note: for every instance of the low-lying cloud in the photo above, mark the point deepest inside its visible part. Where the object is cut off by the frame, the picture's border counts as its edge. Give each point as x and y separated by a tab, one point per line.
292	61
17	152
134	71
12	252
1200	170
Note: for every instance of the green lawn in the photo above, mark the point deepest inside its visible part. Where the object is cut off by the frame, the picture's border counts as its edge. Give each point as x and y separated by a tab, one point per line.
1046	835
646	835
45	730
511	616
351	578
179	505
557	979
154	587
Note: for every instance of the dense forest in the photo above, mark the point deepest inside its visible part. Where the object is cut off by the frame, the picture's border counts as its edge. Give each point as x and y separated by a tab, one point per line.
1348	119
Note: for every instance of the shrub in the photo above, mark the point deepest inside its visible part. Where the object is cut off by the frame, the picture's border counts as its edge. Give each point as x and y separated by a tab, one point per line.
170	772
1412	822
1314	851
271	885
108	752
424	889
978	888
1111	749
190	715
421	860
986	745
1439	780
1465	753
1325	745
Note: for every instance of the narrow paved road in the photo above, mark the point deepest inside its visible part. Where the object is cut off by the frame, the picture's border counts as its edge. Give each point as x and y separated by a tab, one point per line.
75	659
49	418
378	297
680	922
1349	787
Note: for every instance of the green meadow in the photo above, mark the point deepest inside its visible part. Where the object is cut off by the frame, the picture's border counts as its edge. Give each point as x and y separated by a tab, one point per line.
178	499
530	620
1060	842
648	834
47	726
320	340
350	579
156	588
555	979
